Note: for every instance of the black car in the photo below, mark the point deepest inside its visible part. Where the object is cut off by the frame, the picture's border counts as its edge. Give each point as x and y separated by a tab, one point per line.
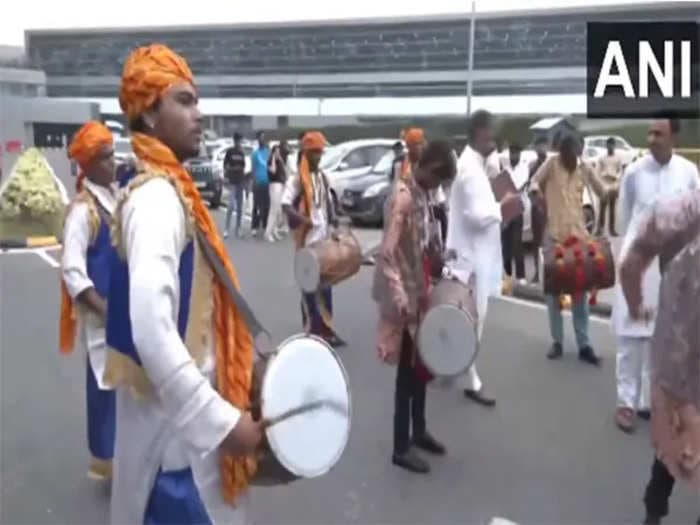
364	197
210	185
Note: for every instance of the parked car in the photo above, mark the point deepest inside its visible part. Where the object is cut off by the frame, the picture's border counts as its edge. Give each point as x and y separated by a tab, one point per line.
209	184
364	196
348	160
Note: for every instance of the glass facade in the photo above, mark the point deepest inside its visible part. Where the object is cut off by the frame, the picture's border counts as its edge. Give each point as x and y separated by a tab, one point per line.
536	41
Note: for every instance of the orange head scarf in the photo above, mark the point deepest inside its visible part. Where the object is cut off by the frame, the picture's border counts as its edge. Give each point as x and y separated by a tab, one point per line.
312	141
412	137
85	145
148	73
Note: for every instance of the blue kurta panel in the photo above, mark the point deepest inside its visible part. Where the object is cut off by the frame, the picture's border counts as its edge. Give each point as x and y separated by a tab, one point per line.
98	259
119	334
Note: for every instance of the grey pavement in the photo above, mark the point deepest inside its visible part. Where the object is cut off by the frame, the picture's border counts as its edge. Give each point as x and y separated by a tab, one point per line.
548	454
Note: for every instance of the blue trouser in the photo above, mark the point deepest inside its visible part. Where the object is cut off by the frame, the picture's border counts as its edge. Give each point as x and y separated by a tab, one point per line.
175	500
101	418
235	200
317	312
579	311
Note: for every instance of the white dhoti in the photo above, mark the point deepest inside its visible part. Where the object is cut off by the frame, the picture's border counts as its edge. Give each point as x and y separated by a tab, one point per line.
633	372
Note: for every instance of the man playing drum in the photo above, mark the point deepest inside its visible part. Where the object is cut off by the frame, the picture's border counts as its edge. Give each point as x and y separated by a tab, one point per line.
309	205
183	355
560	182
400	288
474	232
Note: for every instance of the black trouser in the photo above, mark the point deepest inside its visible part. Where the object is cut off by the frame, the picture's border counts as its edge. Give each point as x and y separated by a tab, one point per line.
441	217
409	400
609	203
512	248
261	206
658	490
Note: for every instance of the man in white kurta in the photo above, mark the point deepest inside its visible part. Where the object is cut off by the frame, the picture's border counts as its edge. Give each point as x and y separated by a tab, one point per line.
77	238
179	429
85	283
655	176
474	234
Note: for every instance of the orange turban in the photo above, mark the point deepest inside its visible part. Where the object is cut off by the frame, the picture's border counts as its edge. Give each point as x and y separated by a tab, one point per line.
148	73
88	141
313	141
414	136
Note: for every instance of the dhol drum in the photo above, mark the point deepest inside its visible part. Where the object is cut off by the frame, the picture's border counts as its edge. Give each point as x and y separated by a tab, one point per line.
447	337
302	393
327	262
578	265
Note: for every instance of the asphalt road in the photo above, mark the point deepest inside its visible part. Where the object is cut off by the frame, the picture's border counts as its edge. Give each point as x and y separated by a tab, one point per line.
548	454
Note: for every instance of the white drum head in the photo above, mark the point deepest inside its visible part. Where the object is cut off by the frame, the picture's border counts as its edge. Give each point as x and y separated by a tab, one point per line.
305	370
447	340
307	270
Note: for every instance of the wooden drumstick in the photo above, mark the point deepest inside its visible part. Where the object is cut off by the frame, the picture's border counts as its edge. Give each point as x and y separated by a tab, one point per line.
303	409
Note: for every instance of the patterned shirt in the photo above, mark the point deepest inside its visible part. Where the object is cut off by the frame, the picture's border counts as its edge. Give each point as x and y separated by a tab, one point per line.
672	233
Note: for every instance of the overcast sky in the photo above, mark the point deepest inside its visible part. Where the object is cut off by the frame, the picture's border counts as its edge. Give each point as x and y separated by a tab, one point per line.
36	14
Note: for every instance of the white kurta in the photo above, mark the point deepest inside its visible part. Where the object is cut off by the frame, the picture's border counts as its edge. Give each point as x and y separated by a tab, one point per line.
186	422
76	240
644	183
319	204
474	233
474	230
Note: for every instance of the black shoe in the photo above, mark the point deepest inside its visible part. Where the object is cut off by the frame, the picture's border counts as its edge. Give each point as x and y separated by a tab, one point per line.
555	351
480	397
652	520
429	444
645	415
411	462
587	355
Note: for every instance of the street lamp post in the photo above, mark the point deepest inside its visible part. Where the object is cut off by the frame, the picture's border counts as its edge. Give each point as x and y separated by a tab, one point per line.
470	81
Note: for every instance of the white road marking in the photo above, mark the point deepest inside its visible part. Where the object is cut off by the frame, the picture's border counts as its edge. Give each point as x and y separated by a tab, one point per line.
11	251
540	306
49	259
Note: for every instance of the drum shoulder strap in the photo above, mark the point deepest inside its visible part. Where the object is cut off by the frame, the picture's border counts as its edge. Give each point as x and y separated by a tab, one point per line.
235	295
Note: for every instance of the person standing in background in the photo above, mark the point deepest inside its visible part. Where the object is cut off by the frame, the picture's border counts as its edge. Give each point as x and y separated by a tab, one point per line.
261	186
538	214
277	171
610	171
512	234
234	172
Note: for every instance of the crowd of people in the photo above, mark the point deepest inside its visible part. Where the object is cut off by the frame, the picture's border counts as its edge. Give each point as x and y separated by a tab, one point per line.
149	290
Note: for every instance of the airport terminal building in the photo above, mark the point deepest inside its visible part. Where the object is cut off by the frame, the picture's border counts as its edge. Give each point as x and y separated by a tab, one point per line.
525	62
